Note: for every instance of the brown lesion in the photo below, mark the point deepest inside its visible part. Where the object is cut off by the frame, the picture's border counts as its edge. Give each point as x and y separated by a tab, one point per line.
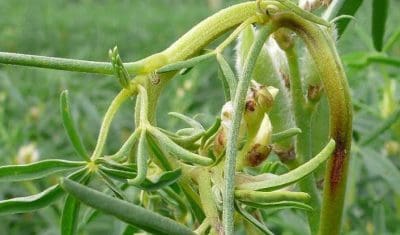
258	154
338	164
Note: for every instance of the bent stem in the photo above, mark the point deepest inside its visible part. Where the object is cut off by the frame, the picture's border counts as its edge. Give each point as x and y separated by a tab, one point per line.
323	51
232	144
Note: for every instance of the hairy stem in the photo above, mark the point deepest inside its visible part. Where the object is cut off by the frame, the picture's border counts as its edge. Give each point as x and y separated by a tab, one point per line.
232	144
302	116
323	51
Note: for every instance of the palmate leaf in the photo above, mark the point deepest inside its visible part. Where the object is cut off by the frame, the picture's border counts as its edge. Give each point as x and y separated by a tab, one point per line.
127	212
37	170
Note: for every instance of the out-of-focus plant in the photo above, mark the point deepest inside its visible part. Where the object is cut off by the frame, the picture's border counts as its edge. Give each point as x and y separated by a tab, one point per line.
212	178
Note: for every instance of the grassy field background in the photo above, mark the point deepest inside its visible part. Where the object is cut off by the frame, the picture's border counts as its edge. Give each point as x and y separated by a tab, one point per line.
86	29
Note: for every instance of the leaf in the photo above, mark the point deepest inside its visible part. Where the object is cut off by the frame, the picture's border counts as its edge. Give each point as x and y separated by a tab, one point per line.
188	120
252	220
31	203
279	205
277	137
379	17
37	170
70	127
158	153
69	217
127	212
228	77
177	150
36	201
163	180
293	175
129	230
122	175
141	161
211	131
268	197
186	63
112	186
340	8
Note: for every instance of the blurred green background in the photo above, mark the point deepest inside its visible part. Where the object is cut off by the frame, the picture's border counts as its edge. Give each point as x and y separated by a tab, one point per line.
86	29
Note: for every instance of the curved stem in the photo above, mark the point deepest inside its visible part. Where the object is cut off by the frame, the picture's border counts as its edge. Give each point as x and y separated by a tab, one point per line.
323	51
105	126
232	145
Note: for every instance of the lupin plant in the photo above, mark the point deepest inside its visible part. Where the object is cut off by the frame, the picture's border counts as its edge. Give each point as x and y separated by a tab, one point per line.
215	178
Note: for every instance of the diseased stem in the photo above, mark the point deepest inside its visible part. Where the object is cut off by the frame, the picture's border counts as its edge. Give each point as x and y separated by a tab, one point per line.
302	116
232	144
323	51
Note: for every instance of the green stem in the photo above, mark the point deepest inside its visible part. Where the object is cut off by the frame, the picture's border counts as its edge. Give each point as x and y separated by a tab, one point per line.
57	63
232	145
302	116
108	117
323	51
